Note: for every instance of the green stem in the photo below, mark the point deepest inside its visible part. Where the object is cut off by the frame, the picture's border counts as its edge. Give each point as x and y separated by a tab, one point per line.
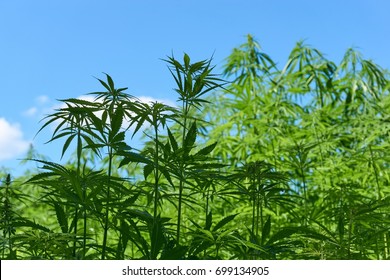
156	194
253	197
379	197
85	222
105	227
76	218
181	186
182	173
156	173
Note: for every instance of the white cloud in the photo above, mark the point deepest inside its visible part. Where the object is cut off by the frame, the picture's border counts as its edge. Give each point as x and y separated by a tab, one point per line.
40	108
30	112
12	143
148	99
42	99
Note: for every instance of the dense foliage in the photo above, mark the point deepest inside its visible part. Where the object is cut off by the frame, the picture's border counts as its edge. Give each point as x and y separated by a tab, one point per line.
260	163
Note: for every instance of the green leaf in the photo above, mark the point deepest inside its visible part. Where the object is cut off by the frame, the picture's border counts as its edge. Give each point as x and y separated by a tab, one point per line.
104	84
206	150
209	220
119	139
157	238
266	230
172	141
133	157
340	227
148	168
61	217
67	143
282	234
136	237
131	200
190	138
110	83
116	121
186	60
223	222
30	224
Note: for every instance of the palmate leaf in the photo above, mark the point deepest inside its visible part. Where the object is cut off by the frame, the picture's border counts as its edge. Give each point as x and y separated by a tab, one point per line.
104	84
157	237
52	166
118	138
136	237
140	120
66	175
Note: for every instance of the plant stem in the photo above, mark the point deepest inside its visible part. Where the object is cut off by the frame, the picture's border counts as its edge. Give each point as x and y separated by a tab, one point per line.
79	149
105	227
154	245
182	172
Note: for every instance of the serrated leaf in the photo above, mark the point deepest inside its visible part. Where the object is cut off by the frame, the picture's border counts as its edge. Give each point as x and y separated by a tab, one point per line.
172	141
209	220
61	217
266	230
207	234
133	157
224	221
190	138
186	60
206	150
27	223
119	138
131	200
104	84
148	169
341	227
116	121
110	82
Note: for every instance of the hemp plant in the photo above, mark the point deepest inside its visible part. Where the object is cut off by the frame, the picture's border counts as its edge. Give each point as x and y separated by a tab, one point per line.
115	105
193	81
156	114
73	122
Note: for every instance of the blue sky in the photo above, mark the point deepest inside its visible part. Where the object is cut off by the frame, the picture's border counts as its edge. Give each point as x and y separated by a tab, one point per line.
53	49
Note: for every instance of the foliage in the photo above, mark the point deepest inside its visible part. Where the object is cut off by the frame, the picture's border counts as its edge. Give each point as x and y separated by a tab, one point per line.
287	163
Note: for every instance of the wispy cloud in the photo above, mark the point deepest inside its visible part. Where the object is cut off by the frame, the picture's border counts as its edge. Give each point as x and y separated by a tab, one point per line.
12	142
42	99
40	108
148	99
31	112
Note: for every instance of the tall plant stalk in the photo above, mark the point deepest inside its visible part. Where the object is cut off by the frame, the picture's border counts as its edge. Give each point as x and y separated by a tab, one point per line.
193	80
115	105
